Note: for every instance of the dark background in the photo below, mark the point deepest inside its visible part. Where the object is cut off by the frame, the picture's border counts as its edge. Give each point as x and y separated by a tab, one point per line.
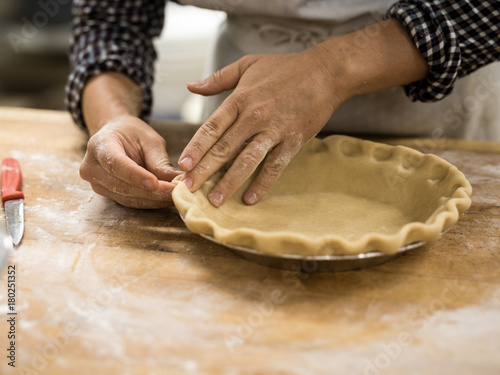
34	63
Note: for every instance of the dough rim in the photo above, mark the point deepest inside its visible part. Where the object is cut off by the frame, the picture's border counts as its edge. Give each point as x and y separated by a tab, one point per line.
284	242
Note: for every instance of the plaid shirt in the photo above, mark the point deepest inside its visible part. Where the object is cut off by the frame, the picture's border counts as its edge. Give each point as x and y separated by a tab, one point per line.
455	37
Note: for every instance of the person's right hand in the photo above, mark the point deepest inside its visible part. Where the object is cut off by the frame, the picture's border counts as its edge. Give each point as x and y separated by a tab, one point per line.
127	161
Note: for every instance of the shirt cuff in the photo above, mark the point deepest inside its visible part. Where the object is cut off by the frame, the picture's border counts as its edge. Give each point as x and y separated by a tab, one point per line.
435	37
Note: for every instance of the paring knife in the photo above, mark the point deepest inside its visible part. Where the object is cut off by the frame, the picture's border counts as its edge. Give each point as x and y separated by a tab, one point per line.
13	198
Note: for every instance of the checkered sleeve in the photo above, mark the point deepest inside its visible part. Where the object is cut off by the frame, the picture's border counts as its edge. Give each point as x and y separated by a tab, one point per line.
455	37
113	35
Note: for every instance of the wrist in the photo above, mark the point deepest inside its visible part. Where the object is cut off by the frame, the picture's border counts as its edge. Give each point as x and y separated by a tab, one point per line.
377	57
109	97
330	71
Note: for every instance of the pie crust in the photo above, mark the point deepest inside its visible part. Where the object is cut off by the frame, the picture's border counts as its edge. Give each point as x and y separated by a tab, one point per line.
340	195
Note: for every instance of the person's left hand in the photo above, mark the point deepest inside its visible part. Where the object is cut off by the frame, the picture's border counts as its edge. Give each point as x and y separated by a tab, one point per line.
279	102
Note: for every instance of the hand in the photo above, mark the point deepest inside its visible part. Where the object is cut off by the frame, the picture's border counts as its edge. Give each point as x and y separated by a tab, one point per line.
280	102
127	161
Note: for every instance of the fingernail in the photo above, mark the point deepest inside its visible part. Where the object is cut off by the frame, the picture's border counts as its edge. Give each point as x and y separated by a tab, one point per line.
251	198
216	198
189	182
187	163
148	184
198	83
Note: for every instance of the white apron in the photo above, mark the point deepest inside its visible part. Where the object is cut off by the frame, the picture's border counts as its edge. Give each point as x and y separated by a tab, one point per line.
472	111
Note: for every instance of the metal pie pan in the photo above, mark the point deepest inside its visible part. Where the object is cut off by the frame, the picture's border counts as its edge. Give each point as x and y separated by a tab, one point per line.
312	264
320	263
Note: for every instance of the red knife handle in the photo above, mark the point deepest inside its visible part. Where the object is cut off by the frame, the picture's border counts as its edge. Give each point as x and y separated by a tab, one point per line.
11	180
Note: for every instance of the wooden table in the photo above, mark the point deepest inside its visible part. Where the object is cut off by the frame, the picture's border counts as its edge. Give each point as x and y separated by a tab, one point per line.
104	289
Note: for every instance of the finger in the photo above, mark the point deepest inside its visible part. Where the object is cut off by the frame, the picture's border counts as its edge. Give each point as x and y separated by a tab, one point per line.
96	175
113	160
224	79
275	163
133	202
232	143
245	164
157	161
209	133
222	152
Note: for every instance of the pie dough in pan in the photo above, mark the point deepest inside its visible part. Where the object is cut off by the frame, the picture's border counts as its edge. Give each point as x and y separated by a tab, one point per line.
339	196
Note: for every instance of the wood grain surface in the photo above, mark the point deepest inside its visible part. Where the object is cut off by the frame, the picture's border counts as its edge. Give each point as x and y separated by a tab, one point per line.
104	289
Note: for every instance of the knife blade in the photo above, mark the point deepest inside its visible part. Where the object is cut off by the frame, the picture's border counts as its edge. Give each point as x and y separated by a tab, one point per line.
5	248
13	198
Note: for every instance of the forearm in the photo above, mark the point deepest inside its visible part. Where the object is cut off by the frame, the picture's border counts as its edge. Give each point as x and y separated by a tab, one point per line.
378	57
109	96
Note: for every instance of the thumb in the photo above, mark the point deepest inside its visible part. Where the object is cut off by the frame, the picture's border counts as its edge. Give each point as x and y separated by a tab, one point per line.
222	80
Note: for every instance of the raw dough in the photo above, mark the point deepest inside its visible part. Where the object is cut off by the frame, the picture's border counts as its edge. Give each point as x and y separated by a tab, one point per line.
339	195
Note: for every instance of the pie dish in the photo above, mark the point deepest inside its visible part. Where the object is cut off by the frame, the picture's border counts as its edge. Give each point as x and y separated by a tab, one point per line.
339	196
